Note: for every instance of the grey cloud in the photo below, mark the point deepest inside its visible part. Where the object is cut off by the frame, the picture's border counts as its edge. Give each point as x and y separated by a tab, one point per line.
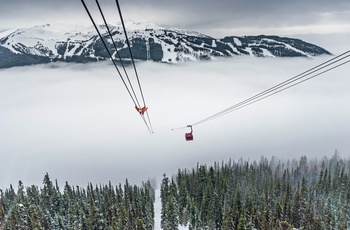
204	14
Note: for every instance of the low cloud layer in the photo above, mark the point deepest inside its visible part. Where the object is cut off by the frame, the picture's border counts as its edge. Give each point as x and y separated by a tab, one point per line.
77	122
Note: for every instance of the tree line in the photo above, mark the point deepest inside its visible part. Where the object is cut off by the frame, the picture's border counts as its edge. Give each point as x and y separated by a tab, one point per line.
266	195
99	207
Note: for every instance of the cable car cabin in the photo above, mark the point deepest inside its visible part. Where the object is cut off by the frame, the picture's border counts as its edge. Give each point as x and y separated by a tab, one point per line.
189	137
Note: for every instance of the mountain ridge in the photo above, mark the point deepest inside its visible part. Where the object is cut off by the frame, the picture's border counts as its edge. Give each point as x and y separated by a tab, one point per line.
81	44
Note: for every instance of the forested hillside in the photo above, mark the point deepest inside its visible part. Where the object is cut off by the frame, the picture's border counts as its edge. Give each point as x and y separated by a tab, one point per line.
266	195
99	207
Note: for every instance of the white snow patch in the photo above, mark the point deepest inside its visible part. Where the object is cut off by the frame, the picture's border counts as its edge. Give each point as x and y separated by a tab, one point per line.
232	47
249	50
286	45
168	53
237	41
267	53
157	210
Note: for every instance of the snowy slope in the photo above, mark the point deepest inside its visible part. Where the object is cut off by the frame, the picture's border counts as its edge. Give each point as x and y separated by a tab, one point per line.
75	43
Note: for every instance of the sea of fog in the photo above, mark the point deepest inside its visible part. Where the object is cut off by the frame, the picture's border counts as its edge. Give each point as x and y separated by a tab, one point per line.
78	123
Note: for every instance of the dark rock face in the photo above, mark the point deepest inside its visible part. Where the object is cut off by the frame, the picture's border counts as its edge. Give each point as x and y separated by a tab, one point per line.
43	44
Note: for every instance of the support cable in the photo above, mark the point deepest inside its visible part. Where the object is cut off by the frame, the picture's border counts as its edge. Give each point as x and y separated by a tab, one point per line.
131	56
110	55
149	121
133	62
273	93
282	86
115	47
276	87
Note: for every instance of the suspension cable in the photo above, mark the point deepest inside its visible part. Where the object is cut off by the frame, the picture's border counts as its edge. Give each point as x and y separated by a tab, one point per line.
131	56
281	86
133	62
273	93
111	57
276	87
109	53
115	47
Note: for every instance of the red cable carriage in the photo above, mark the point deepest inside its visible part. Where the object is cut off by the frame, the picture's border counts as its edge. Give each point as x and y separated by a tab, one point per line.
189	136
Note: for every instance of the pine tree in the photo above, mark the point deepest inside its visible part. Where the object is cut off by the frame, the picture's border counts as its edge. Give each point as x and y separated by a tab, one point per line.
242	222
172	221
265	223
237	208
140	225
82	220
277	213
2	208
13	219
303	210
318	224
164	194
92	216
192	213
228	220
330	221
46	219
123	220
296	209
205	205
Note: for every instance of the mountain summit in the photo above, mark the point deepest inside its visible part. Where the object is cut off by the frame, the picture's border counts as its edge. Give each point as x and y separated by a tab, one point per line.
71	43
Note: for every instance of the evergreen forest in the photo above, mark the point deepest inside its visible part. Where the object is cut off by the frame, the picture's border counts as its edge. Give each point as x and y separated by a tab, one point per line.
99	207
297	194
265	194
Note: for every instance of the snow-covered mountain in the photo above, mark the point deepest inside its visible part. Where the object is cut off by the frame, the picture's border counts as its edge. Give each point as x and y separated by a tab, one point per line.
73	43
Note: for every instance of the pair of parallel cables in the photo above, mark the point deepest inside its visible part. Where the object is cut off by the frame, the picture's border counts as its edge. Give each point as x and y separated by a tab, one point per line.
318	70
128	85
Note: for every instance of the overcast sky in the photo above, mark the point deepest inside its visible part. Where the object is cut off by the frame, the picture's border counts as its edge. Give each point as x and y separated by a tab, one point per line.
215	18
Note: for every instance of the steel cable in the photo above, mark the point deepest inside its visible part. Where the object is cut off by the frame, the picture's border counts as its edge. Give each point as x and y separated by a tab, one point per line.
115	47
281	86
132	60
114	63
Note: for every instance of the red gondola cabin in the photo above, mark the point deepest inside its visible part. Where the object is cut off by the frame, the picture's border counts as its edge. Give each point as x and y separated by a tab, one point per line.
189	137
